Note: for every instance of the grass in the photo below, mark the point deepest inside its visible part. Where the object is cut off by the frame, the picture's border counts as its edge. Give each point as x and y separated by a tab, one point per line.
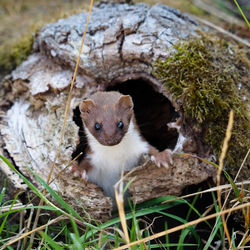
70	231
242	13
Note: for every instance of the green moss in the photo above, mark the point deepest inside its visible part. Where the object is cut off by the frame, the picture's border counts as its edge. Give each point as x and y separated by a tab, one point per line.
13	54
203	76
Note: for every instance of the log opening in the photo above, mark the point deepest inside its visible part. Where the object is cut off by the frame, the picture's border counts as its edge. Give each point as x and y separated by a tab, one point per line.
153	111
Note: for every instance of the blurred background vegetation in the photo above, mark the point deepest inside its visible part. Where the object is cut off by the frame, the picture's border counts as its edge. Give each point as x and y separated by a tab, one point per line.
20	20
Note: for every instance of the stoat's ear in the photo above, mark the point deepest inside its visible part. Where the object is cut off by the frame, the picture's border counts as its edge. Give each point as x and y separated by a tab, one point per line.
86	106
125	103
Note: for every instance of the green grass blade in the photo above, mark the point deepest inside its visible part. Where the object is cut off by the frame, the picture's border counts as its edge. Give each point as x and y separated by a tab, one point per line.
175	217
29	184
183	221
65	231
75	229
233	240
76	242
156	201
40	195
51	242
191	207
139	212
211	238
59	199
6	217
235	188
2	192
166	236
185	231
218	221
132	233
147	234
183	235
153	246
243	15
65	205
230	180
128	184
198	213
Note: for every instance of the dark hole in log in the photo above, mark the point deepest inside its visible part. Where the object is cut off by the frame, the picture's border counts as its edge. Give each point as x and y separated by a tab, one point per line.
81	147
153	112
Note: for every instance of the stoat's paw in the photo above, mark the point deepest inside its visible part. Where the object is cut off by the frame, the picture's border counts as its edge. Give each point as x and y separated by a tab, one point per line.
163	158
84	175
77	171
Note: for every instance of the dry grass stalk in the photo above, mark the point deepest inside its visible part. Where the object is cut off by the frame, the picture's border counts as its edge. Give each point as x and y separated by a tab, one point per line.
213	189
65	119
120	206
66	115
221	160
222	31
11	207
28	226
21	226
235	179
216	12
68	165
33	231
191	223
100	239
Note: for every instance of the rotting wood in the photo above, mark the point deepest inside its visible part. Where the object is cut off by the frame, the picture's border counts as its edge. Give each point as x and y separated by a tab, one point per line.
185	171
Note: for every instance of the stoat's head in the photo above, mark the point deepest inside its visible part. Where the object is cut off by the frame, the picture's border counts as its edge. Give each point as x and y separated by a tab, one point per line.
107	116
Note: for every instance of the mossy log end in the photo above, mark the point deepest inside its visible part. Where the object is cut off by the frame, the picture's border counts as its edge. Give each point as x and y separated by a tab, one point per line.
122	44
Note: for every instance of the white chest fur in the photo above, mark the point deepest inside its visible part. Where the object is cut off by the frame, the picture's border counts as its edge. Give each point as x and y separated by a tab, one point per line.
108	161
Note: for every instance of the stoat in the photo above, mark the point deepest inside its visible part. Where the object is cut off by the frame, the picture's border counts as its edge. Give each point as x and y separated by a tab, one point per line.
114	140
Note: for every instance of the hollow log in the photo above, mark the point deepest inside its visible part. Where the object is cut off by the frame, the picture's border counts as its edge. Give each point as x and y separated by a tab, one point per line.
121	45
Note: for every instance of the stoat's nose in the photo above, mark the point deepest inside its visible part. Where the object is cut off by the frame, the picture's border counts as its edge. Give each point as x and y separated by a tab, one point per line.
112	139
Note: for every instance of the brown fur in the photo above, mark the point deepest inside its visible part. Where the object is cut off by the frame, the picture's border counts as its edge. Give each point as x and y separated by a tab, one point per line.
107	109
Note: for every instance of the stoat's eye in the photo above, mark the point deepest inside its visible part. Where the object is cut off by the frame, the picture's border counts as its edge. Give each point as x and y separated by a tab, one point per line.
98	126
120	125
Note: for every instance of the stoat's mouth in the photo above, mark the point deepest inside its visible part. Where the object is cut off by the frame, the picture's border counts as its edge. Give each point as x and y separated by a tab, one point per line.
110	142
